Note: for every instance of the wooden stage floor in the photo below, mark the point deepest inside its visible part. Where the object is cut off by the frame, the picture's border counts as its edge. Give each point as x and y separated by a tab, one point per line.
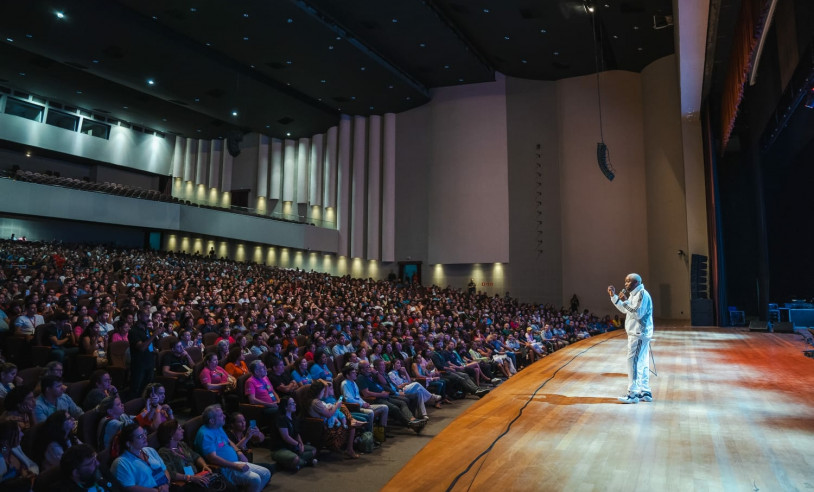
732	410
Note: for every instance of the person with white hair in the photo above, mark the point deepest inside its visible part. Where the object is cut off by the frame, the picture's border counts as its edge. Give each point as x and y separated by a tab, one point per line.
637	305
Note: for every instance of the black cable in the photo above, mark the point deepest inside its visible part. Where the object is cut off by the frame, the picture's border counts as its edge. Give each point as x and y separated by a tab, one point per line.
519	414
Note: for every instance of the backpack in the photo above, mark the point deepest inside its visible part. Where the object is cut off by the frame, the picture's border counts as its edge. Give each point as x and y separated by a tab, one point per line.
364	443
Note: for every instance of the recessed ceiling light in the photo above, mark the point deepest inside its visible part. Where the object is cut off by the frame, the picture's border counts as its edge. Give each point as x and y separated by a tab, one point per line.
422	45
79	92
245	15
640	48
607	5
60	15
125	107
288	83
635	28
352	98
208	43
95	61
155	17
408	98
615	36
9	40
193	9
197	99
287	134
339	38
268	126
245	38
323	81
543	31
371	108
390	86
288	62
395	20
363	68
198	130
234	113
485	11
556	53
251	66
524	61
460	80
290	20
590	8
150	82
29	36
163	119
446	66
506	38
22	73
330	47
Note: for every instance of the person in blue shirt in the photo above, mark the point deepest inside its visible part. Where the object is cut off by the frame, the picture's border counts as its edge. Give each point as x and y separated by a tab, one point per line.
214	445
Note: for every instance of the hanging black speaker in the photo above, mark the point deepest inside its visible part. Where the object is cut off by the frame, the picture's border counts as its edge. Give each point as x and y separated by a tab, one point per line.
603	159
233	140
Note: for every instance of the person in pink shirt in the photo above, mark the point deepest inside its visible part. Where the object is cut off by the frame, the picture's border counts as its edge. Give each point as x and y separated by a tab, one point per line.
215	378
259	391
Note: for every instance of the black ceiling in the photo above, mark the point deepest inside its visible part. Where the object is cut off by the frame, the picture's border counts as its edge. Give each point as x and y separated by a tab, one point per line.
292	67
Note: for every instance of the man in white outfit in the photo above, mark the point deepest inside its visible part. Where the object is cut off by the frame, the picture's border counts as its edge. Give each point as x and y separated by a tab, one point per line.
637	305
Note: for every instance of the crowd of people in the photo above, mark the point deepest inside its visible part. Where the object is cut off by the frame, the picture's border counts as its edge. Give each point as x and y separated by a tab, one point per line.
358	356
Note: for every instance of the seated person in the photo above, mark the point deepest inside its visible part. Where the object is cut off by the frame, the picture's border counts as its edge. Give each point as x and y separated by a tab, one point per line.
139	466
57	435
216	448
236	363
52	399
8	378
19	404
177	364
320	369
300	372
101	388
260	391
244	435
281	379
112	421
215	378
337	438
155	410
180	458
17	471
288	450
80	471
401	380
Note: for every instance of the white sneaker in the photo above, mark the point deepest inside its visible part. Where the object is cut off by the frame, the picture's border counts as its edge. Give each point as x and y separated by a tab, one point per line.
645	396
629	398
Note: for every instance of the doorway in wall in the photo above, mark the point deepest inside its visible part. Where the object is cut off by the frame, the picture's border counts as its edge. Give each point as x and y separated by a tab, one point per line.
410	271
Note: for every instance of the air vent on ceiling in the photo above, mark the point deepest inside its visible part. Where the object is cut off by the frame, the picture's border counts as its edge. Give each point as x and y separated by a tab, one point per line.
180	103
277	65
285	120
530	13
216	93
76	65
114	51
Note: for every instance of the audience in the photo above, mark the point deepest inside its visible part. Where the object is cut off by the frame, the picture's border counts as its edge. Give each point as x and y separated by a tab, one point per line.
139	466
180	458
57	435
288	449
85	298
17	471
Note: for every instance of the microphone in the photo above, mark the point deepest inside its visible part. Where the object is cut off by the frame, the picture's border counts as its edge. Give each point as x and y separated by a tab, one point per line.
623	292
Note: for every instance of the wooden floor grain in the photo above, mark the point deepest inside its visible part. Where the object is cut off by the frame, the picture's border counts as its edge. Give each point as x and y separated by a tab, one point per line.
733	410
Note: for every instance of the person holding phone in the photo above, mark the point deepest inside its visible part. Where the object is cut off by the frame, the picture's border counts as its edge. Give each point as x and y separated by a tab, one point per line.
244	435
155	410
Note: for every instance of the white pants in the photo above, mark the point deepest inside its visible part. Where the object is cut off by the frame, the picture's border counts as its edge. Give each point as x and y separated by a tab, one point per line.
638	363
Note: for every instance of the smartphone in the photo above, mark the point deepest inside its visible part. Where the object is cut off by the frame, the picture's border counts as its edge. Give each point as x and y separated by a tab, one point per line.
252	424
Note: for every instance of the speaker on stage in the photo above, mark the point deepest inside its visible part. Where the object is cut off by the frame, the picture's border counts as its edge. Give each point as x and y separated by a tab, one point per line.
783	327
701	312
756	325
